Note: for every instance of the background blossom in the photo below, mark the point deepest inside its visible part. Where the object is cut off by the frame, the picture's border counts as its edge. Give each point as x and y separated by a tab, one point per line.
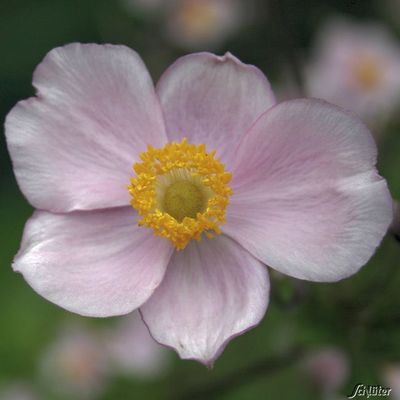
355	65
75	364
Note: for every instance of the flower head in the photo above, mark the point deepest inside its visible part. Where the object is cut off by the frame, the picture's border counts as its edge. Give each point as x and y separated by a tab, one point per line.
327	368
75	364
195	24
391	378
356	66
224	181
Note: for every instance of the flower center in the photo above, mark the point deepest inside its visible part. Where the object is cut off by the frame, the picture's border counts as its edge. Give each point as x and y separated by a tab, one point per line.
197	17
367	72
180	191
183	199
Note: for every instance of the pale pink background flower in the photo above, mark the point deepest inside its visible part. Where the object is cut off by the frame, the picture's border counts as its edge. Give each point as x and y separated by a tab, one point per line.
391	378
194	24
132	351
356	66
82	360
327	368
75	364
307	199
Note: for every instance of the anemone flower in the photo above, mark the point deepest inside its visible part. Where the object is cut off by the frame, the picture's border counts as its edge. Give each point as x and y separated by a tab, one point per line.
328	369
391	378
356	66
75	364
194	24
225	181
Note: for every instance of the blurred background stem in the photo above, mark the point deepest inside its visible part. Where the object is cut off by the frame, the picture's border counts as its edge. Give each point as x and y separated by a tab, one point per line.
262	368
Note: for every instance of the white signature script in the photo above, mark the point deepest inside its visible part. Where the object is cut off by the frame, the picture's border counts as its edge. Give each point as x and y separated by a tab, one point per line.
361	390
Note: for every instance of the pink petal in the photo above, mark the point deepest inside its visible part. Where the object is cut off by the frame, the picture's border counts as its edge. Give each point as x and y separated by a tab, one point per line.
97	263
212	291
213	100
74	144
307	198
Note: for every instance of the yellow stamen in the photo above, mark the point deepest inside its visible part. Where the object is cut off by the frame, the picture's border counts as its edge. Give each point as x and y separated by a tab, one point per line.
180	191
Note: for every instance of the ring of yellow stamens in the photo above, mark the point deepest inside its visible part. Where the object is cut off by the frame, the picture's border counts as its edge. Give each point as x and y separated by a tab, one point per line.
180	191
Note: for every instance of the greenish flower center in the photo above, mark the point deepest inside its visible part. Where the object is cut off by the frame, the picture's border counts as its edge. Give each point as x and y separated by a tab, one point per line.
184	199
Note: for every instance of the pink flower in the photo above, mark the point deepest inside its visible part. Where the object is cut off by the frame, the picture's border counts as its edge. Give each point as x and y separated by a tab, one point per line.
82	361
75	365
195	24
356	66
328	369
304	195
391	378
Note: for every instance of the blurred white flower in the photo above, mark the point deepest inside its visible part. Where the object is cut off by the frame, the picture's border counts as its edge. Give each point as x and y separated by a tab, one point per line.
81	361
391	378
327	369
356	66
18	391
133	351
194	24
75	365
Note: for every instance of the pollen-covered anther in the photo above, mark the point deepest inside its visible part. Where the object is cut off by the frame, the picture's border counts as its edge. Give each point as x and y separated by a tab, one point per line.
180	191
